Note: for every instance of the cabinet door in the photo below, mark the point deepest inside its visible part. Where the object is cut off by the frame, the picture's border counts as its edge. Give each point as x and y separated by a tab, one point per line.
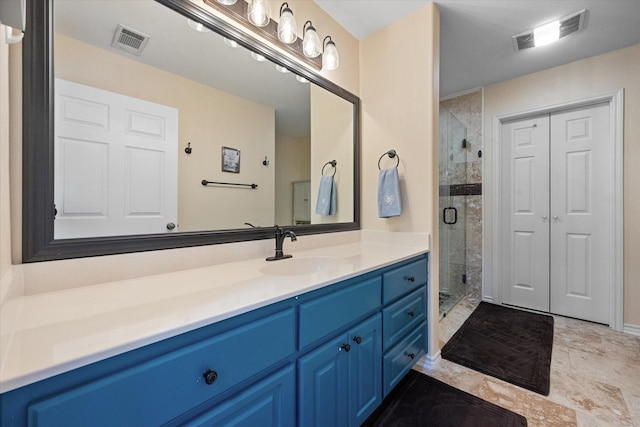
365	369
270	403
324	388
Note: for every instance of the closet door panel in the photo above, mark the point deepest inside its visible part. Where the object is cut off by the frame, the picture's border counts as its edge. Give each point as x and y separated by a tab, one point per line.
580	213
525	211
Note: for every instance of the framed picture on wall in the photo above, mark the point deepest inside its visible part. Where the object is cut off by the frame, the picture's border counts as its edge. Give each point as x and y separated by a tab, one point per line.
230	160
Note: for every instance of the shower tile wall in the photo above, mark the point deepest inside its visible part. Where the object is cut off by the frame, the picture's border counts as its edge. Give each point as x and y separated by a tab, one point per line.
468	110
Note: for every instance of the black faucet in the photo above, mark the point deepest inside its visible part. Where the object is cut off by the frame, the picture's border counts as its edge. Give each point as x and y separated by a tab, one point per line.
280	235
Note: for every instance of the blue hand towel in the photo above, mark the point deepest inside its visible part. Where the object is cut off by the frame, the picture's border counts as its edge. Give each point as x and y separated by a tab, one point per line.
327	199
389	193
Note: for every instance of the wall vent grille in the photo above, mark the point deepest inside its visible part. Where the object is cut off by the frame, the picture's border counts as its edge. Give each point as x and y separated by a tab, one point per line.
129	40
568	25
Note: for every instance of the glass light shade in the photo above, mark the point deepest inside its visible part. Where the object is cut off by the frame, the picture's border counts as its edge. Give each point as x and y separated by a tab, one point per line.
282	69
258	57
311	45
257	13
197	26
330	57
287	27
546	34
230	43
302	79
227	2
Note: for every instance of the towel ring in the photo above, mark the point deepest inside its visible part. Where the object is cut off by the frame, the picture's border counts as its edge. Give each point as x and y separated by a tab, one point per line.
391	154
333	163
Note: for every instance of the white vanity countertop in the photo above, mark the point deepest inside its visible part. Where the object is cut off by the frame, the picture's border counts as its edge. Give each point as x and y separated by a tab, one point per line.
47	334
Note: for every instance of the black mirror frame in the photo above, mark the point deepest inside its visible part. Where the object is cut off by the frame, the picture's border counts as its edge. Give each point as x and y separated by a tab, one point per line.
38	243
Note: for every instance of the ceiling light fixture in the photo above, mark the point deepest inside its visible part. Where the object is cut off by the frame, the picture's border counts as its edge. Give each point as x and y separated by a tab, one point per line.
546	34
287	27
311	45
330	57
257	13
551	31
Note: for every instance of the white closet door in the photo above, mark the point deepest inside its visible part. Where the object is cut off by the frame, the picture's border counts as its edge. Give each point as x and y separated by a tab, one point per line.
525	213
116	168
580	220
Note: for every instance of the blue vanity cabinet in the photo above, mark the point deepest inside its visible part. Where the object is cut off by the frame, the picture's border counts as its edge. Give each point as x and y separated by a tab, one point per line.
324	358
404	294
340	383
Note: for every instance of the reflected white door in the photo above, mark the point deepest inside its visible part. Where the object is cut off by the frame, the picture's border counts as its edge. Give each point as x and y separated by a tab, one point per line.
115	164
525	207
580	205
556	172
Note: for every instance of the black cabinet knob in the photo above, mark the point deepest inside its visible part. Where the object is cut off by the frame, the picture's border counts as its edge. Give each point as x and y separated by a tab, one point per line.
345	347
210	376
411	278
411	355
357	339
411	314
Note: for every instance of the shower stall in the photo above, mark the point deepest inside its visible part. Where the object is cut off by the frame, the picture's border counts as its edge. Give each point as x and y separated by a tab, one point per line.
453	216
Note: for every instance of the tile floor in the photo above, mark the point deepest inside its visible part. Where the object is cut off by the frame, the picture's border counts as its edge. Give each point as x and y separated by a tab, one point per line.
595	376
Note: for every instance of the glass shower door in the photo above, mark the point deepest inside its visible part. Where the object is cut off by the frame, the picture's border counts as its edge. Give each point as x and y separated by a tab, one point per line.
453	174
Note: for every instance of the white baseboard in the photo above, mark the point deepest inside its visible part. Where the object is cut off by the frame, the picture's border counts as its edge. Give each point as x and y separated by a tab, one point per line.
431	361
631	329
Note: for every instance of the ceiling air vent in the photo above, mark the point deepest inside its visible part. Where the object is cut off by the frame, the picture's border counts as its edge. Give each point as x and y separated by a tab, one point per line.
129	40
568	25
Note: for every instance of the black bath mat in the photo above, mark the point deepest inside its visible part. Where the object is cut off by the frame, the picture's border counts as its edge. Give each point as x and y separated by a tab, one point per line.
513	345
419	400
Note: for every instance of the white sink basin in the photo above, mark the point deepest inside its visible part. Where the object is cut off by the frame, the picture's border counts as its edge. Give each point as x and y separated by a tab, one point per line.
302	266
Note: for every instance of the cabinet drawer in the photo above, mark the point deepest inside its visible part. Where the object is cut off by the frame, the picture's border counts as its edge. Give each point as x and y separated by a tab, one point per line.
402	316
403	279
270	403
402	357
326	314
163	388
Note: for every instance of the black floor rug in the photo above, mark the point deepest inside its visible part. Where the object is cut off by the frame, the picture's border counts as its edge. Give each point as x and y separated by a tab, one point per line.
513	345
419	400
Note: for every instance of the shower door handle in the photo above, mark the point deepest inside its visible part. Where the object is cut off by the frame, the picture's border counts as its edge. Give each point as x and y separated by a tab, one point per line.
455	215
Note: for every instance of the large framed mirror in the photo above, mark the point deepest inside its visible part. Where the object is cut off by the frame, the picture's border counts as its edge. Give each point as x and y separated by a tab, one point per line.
150	125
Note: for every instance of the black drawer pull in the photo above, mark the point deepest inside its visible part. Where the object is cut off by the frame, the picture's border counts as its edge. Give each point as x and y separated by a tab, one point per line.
357	339
210	376
411	278
411	314
411	355
345	347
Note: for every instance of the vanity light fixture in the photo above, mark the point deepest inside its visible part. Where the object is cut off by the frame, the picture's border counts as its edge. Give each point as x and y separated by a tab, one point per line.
257	13
330	57
197	26
311	46
258	57
287	27
281	69
231	43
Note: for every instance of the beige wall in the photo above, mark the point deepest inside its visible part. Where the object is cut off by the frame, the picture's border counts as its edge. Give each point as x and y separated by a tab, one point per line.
291	164
399	87
208	119
582	79
328	143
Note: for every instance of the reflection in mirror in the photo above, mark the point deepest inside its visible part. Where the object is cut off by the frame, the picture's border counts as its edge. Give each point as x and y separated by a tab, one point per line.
136	83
